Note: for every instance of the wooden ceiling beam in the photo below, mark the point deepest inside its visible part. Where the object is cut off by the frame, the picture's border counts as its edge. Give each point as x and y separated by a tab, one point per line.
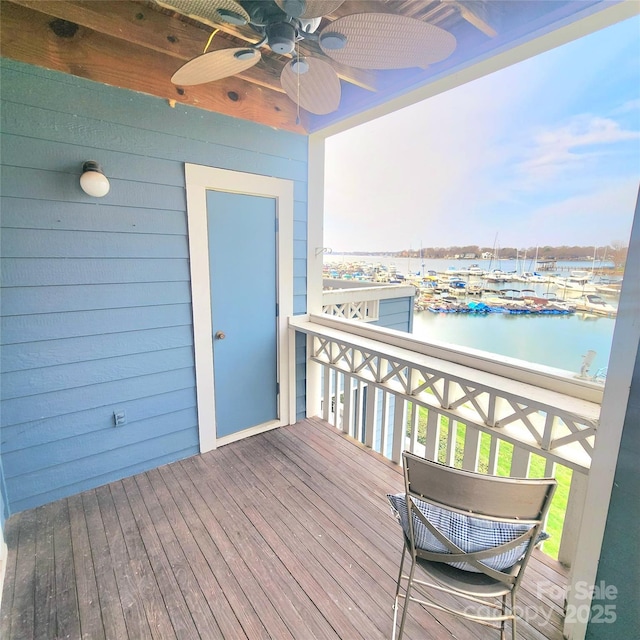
145	27
28	36
151	26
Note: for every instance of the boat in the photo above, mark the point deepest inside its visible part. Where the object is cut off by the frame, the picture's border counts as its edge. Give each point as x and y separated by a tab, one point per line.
457	286
578	283
498	275
609	288
534	278
593	303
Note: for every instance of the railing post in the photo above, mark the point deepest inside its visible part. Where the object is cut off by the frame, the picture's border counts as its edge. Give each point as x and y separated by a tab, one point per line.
314	376
326	393
415	422
573	518
433	435
471	449
519	463
399	429
347	411
452	438
370	420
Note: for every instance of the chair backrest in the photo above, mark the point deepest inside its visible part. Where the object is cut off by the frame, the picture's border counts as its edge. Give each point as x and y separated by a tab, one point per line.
477	493
518	504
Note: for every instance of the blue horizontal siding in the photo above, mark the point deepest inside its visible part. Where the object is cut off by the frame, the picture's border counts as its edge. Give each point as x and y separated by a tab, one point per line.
35	489
28	213
55	243
70	425
396	313
108	394
74	95
62	187
72	450
108	136
31	300
38	272
55	326
45	380
49	353
60	155
96	299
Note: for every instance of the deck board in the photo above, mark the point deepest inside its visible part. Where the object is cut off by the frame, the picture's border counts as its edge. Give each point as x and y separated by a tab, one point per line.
285	535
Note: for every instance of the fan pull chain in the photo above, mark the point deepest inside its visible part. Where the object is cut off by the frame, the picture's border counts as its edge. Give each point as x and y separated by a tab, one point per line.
210	39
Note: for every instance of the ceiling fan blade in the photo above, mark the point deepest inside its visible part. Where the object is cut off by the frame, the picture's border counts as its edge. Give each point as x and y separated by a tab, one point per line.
385	41
317	89
215	65
308	8
210	12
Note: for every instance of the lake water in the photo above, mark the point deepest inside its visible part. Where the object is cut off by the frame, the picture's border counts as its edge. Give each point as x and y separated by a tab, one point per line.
555	341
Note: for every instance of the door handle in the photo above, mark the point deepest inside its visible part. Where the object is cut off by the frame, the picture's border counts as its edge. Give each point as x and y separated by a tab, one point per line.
220	335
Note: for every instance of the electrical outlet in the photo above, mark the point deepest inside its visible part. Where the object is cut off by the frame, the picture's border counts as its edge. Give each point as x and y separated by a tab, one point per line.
120	417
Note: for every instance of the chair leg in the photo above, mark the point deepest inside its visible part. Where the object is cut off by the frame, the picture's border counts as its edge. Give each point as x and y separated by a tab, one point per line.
404	550
406	599
503	635
396	600
513	613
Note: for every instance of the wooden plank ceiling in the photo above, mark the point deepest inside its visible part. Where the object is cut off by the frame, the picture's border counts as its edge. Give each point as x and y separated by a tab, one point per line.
138	45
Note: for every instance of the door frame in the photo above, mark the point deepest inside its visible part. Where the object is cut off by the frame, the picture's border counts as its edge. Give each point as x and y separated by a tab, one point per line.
199	179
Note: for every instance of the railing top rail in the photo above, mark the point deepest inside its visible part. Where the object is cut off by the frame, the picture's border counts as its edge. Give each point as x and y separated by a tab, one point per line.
357	294
546	386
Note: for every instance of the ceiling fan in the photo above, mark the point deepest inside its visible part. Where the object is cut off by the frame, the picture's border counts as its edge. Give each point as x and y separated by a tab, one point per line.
361	40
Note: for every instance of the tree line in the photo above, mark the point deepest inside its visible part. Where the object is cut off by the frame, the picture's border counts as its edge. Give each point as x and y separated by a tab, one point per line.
615	253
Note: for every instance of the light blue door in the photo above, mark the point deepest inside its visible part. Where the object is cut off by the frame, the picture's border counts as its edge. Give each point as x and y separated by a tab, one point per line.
242	266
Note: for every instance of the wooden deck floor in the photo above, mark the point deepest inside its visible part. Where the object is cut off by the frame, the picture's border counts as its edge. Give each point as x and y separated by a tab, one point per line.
285	535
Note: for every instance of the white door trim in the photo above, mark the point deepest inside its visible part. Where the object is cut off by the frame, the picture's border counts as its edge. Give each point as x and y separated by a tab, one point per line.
199	180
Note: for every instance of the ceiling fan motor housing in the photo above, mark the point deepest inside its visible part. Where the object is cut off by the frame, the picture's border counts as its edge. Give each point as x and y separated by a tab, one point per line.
281	37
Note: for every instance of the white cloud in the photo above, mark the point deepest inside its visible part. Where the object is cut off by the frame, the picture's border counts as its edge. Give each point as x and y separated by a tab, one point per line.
581	140
630	106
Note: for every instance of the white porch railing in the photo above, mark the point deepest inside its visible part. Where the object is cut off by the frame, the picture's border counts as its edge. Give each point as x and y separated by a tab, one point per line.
353	300
464	408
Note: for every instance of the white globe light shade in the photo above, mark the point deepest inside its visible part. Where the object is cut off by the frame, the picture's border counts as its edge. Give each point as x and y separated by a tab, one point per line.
92	181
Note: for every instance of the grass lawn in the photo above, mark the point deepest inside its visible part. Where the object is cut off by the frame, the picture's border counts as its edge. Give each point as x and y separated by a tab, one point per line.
562	474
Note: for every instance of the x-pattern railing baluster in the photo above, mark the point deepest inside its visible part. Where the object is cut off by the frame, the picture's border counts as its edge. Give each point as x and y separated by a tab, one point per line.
521	414
457	398
470	395
399	371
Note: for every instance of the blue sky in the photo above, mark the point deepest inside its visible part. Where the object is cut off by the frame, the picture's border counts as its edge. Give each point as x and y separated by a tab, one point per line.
546	152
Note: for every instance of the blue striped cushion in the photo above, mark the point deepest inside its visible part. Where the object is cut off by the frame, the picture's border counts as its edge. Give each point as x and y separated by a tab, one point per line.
468	533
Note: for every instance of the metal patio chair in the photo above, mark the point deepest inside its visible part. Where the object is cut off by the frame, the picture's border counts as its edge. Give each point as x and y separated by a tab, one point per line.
487	526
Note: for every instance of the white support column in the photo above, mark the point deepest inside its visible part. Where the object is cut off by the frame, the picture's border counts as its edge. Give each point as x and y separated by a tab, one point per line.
626	338
573	518
315	221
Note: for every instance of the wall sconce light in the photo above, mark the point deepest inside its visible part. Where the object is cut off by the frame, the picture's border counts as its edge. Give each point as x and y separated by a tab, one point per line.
93	181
